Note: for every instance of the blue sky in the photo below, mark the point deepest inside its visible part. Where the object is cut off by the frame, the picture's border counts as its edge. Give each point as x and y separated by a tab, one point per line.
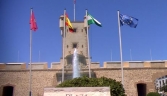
150	34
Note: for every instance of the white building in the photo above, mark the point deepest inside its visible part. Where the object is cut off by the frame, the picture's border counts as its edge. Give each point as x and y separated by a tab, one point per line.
160	82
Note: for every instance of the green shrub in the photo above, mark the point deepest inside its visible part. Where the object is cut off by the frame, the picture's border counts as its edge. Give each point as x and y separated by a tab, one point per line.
153	94
116	88
164	88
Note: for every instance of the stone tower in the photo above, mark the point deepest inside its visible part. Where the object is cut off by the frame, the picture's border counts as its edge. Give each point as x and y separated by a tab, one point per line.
77	39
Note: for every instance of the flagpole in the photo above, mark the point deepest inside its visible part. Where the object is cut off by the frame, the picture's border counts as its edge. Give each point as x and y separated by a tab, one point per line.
74	9
30	81
120	49
63	46
89	59
30	60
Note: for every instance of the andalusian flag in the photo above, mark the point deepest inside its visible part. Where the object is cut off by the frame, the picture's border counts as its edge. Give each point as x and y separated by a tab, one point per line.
68	23
92	20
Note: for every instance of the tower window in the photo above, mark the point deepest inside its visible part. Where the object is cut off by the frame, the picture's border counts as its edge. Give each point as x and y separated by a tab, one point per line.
82	46
75	29
69	52
74	45
86	32
67	46
81	52
82	30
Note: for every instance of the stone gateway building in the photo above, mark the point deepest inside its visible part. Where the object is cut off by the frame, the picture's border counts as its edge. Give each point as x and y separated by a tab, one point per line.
139	76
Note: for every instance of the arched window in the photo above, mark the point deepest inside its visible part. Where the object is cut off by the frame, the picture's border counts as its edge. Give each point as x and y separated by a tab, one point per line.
74	45
8	91
141	89
75	30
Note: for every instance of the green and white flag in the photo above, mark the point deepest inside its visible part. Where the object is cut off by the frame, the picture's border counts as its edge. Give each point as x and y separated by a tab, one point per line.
92	20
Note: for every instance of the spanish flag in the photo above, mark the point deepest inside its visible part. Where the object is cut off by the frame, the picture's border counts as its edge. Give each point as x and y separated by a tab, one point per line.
68	23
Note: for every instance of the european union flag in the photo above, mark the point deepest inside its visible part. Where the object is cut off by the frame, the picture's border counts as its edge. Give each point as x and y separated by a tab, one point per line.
128	20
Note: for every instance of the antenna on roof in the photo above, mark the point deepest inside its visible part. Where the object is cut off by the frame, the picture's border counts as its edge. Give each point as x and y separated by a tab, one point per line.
111	54
150	55
39	56
18	56
130	55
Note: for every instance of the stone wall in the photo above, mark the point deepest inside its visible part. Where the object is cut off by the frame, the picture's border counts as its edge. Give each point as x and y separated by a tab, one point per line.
47	78
133	76
20	81
42	77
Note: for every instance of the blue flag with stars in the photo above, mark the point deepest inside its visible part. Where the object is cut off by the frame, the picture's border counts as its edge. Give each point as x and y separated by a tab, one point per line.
128	20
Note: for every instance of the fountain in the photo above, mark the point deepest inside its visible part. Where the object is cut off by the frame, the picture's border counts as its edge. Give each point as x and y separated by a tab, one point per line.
76	91
76	69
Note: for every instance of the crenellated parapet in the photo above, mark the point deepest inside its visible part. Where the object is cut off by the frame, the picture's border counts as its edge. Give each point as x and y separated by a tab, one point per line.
136	64
12	66
23	66
38	65
56	65
94	65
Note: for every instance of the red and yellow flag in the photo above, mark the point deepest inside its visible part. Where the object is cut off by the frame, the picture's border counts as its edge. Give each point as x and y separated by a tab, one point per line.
68	23
33	24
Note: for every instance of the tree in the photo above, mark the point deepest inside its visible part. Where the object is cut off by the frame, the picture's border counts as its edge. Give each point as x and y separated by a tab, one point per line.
153	94
164	88
116	88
